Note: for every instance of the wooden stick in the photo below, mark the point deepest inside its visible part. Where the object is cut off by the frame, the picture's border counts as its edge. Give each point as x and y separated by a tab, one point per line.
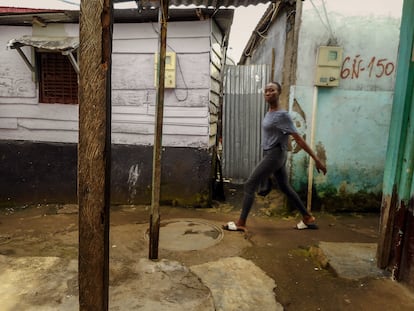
156	163
312	143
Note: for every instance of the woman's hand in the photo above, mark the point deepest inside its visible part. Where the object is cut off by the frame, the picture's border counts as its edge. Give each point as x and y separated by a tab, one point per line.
302	143
320	166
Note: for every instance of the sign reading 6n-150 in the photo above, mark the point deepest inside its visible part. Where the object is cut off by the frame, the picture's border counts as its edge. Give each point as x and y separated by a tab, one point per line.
376	67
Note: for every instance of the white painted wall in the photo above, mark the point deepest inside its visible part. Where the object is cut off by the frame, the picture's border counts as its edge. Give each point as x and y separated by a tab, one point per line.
15	79
186	115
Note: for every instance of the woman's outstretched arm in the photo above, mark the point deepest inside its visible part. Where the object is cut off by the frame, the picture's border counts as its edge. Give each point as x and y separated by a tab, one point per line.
301	142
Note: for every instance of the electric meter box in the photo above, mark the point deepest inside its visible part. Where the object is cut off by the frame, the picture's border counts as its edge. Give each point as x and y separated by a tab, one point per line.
170	65
329	62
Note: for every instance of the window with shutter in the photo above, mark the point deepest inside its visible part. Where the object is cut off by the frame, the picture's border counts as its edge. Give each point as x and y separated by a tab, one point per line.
58	81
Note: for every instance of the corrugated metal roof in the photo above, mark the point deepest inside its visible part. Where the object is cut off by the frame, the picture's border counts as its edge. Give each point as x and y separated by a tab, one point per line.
74	4
223	17
7	9
23	16
203	3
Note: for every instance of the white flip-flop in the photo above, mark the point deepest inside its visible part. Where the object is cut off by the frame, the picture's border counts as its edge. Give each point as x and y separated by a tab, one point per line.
301	226
231	226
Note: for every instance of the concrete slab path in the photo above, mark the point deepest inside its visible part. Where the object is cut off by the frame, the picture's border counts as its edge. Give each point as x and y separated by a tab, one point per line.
50	283
352	260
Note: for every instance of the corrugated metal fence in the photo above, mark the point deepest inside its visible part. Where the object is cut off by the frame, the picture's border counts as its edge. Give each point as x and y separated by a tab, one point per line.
243	110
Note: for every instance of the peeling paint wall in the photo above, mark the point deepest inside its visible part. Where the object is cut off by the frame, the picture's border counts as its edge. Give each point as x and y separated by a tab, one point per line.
189	125
47	173
352	120
186	112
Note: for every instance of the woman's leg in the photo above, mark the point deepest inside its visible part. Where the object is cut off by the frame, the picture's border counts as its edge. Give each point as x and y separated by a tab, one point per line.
271	159
282	179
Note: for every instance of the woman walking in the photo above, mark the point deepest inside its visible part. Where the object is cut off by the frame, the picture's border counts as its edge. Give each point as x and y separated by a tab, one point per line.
277	125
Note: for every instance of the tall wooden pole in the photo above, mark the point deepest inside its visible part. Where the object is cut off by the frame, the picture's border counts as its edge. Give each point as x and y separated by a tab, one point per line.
312	145
272	72
94	152
156	162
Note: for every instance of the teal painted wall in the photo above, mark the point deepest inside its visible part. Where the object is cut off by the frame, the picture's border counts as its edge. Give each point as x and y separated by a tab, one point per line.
396	247
351	132
352	120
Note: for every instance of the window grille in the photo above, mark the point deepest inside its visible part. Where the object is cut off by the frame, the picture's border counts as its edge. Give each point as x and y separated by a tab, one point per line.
58	81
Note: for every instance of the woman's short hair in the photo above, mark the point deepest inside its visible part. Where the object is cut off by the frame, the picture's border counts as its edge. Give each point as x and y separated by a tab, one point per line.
277	84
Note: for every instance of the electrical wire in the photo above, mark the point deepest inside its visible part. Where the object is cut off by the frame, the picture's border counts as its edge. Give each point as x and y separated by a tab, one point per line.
326	23
261	33
333	38
179	69
274	11
319	15
70	2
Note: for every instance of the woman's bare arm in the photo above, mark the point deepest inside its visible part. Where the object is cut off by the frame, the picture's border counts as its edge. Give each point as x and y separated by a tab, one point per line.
301	142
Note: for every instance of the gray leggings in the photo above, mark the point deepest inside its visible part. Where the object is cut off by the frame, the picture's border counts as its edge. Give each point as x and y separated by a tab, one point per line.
273	162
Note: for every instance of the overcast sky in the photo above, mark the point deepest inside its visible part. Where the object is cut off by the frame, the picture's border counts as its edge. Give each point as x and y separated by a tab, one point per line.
244	22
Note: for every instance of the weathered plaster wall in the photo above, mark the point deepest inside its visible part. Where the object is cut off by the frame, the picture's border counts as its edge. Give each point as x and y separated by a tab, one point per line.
38	141
352	120
186	122
16	84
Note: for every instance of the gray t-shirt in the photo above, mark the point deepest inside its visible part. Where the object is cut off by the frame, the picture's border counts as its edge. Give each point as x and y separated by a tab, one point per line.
276	127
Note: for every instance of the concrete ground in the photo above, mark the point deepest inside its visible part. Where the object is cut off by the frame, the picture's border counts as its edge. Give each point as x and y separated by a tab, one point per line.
200	267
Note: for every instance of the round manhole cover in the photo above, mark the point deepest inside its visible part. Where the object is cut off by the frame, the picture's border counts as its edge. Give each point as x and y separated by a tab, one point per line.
187	234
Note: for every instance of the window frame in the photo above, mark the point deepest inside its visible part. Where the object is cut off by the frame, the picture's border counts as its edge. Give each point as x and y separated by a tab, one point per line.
56	77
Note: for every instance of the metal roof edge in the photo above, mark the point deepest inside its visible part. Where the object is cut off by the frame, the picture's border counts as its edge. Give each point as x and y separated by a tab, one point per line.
268	17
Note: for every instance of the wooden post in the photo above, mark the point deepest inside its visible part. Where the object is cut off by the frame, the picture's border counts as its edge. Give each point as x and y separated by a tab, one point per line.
272	72
156	162
311	144
94	152
397	163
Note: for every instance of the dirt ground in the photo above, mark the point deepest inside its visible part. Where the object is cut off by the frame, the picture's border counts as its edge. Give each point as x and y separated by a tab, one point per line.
272	244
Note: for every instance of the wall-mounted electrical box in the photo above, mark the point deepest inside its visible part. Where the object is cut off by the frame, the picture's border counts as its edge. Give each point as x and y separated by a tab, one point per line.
329	62
170	61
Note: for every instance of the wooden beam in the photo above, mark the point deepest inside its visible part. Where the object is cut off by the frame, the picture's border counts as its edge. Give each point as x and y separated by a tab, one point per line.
72	60
94	152
26	60
272	72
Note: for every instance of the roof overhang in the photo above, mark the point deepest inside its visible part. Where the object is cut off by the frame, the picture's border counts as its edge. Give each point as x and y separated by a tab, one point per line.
223	17
55	44
64	45
146	11
200	3
131	15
